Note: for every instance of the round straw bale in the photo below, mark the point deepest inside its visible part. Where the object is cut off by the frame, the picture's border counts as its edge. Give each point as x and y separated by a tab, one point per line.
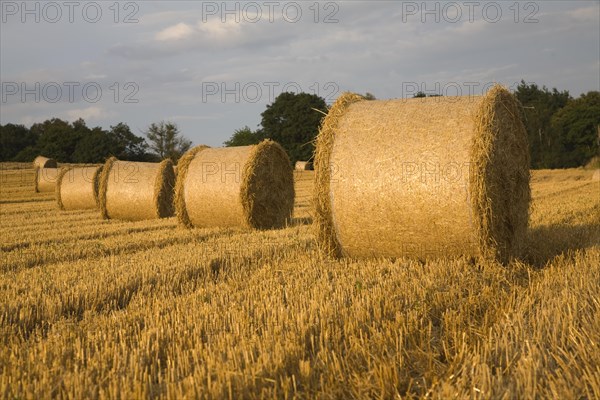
136	190
77	187
44	162
45	179
182	169
424	178
303	166
246	186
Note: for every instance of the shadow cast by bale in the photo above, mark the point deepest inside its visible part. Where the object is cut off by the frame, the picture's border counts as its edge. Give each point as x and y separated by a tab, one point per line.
546	242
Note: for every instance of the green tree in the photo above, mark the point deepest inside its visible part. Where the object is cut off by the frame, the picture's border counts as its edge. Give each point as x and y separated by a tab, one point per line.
243	137
577	126
28	154
14	139
369	96
166	141
293	121
127	145
94	147
58	139
421	94
539	105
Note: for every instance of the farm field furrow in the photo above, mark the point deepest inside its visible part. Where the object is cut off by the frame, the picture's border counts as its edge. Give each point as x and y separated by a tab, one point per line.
37	255
114	309
68	232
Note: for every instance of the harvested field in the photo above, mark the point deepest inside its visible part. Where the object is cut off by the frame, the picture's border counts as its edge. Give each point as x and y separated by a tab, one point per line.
94	308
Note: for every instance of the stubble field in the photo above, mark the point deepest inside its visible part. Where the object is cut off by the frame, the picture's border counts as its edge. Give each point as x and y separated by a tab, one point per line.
110	309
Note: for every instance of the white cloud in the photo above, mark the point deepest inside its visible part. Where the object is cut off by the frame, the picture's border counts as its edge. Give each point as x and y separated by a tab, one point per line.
591	13
88	114
220	31
175	32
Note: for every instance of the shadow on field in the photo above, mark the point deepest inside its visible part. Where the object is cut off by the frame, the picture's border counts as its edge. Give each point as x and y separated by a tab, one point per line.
548	241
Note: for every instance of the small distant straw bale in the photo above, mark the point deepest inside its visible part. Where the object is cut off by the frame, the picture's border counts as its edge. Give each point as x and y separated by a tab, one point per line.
44	162
303	166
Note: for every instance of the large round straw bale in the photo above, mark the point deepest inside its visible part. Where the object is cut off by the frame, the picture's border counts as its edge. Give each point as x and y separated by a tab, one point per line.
425	177
136	190
44	162
182	169
303	166
247	186
45	179
77	187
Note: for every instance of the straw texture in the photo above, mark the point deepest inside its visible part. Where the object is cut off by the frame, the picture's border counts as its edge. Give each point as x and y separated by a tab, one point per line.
135	190
45	179
247	187
77	187
182	170
44	162
424	178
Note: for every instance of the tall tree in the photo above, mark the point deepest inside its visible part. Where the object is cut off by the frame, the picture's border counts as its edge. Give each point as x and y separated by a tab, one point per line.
293	121
58	139
166	141
93	147
127	145
539	105
577	128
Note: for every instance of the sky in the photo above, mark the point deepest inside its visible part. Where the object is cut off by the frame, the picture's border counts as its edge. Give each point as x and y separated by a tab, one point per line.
212	66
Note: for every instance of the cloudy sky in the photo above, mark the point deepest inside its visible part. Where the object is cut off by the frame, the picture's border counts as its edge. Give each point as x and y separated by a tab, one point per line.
212	67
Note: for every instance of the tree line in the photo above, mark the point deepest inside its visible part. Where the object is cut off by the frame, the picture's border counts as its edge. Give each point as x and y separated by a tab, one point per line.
77	143
563	132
